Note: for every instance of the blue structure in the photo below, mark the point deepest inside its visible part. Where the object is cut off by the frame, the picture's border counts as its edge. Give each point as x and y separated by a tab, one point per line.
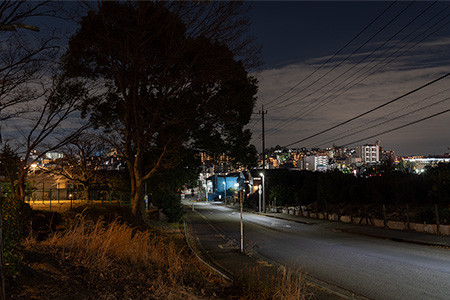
234	181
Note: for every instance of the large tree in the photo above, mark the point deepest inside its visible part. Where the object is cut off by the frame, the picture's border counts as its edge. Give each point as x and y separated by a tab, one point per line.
174	77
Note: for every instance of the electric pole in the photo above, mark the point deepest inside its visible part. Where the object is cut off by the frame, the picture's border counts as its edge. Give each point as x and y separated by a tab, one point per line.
262	112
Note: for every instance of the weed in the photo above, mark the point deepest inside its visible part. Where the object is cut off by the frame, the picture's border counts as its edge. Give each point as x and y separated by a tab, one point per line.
286	285
160	262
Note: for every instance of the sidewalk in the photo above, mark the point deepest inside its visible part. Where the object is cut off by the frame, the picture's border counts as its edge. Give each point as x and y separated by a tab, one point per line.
377	232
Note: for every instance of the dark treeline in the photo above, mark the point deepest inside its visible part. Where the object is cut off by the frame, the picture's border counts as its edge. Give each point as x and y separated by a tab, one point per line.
374	186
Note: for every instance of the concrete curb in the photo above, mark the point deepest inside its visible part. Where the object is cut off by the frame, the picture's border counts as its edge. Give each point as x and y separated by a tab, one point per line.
200	258
361	232
280	218
395	239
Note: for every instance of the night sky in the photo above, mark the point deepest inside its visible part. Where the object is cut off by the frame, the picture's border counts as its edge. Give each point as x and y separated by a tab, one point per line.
326	63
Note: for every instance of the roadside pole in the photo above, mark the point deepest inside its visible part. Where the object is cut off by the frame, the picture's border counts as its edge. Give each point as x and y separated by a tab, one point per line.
259	192
241	200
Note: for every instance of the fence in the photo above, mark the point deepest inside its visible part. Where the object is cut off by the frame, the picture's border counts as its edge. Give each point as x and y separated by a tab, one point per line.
432	218
58	199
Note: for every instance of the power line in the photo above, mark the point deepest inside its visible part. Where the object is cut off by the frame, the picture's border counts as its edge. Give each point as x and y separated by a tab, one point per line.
334	55
340	63
365	128
254	121
347	87
344	89
371	110
399	127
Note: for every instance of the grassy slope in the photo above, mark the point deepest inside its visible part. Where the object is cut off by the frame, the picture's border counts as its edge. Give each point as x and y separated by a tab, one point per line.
97	253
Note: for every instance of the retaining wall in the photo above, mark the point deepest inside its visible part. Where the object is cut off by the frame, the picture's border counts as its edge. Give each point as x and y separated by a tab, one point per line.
398	225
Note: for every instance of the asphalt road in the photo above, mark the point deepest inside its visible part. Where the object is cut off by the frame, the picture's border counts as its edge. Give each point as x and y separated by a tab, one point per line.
370	267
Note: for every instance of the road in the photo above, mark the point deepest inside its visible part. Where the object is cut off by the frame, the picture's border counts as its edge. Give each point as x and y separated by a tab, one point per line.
370	267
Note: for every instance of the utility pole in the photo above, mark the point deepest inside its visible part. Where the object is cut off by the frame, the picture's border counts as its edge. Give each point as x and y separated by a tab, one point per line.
262	112
241	202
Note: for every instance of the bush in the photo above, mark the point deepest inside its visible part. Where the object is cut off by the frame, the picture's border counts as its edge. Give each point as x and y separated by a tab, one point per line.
428	215
16	215
171	205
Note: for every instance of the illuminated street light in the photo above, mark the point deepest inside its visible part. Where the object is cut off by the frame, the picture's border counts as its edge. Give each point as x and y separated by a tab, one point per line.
33	167
264	193
225	187
259	192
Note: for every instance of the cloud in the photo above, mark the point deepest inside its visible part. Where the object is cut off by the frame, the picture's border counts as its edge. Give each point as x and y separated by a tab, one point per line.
313	103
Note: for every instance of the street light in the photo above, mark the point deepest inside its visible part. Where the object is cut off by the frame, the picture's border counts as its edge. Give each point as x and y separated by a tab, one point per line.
33	167
259	192
225	187
264	192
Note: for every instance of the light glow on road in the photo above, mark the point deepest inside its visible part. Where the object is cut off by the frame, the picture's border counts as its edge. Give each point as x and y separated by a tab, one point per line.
374	268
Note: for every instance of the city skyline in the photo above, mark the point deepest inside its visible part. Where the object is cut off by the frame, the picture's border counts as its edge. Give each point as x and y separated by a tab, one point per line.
390	52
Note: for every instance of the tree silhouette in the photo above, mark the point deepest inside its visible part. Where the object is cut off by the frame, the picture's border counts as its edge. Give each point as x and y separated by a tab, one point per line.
171	81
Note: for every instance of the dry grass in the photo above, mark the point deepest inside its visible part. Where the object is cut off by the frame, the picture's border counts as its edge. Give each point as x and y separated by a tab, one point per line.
164	268
100	244
290	286
286	285
106	248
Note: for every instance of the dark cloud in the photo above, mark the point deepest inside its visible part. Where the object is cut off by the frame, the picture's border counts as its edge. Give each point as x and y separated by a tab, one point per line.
315	109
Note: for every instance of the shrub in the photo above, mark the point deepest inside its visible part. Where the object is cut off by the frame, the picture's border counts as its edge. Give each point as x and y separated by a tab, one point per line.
16	215
171	205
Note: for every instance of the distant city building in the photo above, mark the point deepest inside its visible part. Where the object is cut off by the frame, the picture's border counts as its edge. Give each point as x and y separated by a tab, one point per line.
54	155
315	163
369	154
387	155
419	163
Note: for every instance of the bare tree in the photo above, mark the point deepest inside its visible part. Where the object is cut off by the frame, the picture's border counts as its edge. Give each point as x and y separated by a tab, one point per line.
25	60
25	56
52	124
82	162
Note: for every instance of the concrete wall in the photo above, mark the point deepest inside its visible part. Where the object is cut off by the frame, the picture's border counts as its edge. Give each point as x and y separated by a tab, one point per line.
397	225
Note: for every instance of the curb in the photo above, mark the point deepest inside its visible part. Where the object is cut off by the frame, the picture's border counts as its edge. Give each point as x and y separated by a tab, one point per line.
395	239
201	259
281	218
379	236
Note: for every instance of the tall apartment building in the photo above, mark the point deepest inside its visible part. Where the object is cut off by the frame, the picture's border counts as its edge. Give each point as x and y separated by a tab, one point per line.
315	163
368	153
